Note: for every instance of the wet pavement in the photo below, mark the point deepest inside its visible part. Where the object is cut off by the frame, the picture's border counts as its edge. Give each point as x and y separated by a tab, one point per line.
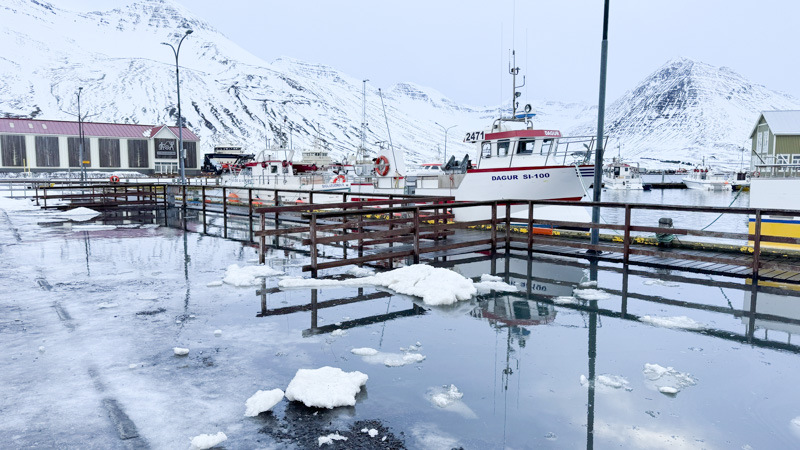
92	312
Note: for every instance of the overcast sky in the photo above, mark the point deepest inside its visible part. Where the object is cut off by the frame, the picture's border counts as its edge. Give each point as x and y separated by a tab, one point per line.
460	47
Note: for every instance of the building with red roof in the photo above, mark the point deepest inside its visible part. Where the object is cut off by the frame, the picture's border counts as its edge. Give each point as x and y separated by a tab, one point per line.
54	145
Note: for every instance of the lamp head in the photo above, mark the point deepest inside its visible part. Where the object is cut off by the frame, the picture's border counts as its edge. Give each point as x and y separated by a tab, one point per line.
189	31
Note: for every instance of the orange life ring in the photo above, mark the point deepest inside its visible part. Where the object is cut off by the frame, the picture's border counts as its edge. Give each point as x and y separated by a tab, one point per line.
382	166
756	174
114	179
340	179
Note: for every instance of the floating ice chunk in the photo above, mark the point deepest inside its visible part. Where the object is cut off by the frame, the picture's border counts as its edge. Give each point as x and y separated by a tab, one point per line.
364	351
80	214
490	283
660	283
360	272
262	401
326	387
551	436
563	300
133	366
323	440
248	275
180	351
489	277
673	322
106	305
205	441
668	390
214	283
610	381
338	332
372	432
446	397
394	360
659	377
591	294
588	284
217	333
796	422
41	349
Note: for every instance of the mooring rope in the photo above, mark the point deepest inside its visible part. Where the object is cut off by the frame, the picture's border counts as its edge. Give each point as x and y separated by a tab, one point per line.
720	214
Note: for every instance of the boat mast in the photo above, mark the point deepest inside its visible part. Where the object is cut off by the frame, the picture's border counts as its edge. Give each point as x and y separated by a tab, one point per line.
363	148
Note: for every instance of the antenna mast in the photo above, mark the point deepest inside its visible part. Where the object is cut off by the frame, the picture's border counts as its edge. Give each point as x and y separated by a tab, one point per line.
363	148
514	71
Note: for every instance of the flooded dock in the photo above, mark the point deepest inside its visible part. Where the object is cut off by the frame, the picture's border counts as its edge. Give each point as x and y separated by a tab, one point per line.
581	354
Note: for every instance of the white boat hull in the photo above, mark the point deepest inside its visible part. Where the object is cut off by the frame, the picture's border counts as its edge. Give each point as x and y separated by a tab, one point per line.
708	185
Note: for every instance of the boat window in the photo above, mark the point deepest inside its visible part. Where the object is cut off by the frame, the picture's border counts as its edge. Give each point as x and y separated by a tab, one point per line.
486	149
616	171
547	144
502	147
525	147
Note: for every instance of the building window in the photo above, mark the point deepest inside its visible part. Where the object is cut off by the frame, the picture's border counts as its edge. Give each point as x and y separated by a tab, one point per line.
166	149
74	152
137	153
109	152
190	150
502	148
46	151
783	161
13	148
166	167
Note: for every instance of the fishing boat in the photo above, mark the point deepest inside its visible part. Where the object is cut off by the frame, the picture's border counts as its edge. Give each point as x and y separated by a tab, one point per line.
704	179
512	160
620	175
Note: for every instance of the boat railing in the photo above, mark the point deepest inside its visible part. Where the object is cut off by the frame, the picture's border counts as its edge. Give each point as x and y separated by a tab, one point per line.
776	170
574	149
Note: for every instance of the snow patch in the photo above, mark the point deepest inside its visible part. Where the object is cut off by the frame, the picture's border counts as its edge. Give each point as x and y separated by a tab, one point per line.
446	397
324	440
658	377
248	275
215	283
563	300
326	387
205	441
360	272
338	332
262	401
180	351
591	294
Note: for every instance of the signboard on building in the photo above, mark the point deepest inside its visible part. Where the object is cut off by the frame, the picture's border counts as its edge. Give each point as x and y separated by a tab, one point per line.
166	149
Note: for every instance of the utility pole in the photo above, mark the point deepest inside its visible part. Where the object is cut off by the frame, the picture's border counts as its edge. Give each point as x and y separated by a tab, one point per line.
601	110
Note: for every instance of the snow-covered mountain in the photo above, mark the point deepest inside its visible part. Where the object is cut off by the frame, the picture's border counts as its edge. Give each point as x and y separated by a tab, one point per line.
230	96
687	109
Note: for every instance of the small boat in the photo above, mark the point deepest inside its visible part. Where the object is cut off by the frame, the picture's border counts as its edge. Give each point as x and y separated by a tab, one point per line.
704	179
622	176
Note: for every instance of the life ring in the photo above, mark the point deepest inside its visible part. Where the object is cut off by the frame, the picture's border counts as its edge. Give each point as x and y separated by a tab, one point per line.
382	166
756	174
114	179
340	179
285	163
263	164
314	167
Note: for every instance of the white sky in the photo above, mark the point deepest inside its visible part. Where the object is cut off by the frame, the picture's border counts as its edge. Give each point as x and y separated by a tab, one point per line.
455	46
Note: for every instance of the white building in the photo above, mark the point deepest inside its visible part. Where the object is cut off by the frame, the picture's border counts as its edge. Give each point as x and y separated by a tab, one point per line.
53	146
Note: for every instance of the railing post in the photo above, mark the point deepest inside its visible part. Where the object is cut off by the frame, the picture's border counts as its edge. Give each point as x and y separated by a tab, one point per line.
44	196
36	190
508	227
530	227
627	239
262	240
360	239
416	235
313	247
757	246
224	213
311	197
204	209
494	227
250	213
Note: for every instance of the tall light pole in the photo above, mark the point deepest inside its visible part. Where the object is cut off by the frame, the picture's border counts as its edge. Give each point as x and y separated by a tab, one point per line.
445	139
80	137
176	51
601	110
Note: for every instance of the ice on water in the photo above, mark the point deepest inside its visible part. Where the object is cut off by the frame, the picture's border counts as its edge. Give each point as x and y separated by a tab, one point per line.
326	387
248	275
205	441
262	401
673	322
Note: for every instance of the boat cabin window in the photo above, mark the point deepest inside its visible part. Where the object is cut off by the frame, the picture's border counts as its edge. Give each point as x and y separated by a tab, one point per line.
486	149
547	144
273	168
525	147
616	171
502	147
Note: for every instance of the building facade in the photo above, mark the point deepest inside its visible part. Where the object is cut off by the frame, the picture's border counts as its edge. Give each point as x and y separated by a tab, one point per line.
54	146
776	143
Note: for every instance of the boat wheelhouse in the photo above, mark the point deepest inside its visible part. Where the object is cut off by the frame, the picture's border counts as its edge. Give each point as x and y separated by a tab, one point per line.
620	175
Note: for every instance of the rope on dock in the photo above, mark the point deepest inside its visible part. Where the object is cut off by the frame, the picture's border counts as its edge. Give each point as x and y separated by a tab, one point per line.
720	215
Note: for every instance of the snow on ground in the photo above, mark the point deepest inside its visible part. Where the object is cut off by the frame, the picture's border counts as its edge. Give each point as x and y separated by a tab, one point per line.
80	214
360	271
324	440
180	351
591	294
205	441
326	387
436	286
248	275
658	377
673	322
262	401
610	381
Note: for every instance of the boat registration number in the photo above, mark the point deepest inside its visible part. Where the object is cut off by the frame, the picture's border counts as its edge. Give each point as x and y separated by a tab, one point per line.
475	136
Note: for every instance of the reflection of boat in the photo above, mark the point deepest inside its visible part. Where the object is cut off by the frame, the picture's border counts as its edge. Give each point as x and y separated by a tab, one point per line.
621	175
704	179
775	312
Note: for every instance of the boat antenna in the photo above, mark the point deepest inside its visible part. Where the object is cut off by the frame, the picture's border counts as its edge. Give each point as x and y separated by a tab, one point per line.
514	71
363	148
391	146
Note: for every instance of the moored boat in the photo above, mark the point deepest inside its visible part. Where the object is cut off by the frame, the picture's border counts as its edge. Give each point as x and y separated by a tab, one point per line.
704	179
621	175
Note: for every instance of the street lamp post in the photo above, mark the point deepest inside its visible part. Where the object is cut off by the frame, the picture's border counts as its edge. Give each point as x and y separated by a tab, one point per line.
601	109
446	129
176	51
80	138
